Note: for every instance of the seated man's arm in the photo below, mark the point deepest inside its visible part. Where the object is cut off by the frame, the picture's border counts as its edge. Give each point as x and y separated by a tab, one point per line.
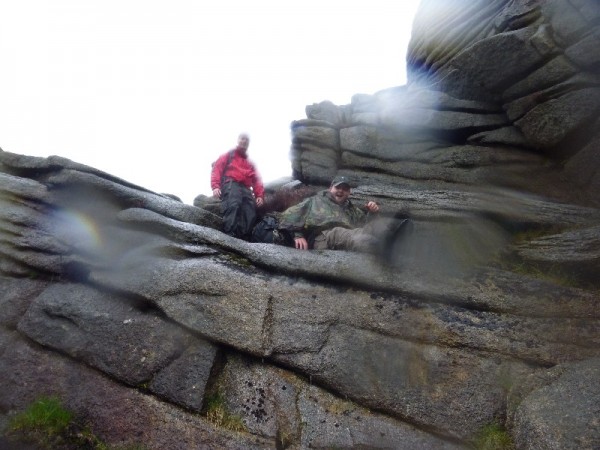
300	241
372	207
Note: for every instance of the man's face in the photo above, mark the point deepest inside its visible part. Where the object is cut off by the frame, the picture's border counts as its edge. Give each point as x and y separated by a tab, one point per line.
340	193
243	141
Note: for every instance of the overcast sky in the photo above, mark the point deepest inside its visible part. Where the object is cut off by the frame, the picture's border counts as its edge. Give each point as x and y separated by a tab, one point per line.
154	91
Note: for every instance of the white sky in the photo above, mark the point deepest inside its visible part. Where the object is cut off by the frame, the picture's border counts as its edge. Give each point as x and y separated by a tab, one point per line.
153	91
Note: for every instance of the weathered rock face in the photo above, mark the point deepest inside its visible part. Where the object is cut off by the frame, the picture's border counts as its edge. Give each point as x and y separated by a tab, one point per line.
500	92
136	311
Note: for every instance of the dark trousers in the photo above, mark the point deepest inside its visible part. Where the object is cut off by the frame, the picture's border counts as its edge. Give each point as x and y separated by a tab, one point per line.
238	209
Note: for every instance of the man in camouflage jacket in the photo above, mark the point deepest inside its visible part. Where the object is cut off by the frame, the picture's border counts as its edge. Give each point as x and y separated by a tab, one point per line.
329	220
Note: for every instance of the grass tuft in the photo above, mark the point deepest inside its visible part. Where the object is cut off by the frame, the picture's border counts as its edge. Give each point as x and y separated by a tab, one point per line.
493	437
218	415
49	425
45	416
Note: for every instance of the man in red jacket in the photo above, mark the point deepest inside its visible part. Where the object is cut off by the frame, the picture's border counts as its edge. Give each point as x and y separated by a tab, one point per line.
235	180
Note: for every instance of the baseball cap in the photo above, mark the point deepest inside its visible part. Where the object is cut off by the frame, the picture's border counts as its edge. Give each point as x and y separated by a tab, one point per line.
340	180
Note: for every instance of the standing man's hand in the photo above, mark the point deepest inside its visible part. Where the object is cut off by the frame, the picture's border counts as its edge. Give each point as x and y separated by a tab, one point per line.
300	243
259	201
217	193
372	207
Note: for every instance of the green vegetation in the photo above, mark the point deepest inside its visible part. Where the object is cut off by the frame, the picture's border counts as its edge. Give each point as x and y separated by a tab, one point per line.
560	274
548	272
240	260
47	424
492	437
217	414
535	233
45	417
284	439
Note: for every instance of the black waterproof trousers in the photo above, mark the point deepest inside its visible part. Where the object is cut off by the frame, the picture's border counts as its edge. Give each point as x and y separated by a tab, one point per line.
238	208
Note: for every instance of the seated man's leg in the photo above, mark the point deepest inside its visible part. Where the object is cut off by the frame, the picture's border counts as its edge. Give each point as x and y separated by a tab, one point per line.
339	238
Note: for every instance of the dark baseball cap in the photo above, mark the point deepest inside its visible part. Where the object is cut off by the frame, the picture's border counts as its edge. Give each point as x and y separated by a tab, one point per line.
340	180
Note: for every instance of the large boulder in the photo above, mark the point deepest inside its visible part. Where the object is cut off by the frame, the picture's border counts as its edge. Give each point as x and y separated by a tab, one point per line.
561	409
516	82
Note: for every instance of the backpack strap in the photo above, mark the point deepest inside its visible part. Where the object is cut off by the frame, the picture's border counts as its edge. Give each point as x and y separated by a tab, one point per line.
229	158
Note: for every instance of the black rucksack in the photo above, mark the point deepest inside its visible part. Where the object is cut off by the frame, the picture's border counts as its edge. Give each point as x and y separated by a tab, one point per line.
264	229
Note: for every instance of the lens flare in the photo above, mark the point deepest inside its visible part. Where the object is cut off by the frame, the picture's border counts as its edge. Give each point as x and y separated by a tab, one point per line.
77	230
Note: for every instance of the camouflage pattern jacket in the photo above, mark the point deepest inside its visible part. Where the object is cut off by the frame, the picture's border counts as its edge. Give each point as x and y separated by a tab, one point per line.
320	212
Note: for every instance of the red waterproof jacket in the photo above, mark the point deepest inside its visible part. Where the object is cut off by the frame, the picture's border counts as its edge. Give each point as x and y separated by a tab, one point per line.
240	169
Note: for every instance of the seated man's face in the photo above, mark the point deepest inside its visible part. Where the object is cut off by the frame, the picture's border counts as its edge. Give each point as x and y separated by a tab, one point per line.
340	193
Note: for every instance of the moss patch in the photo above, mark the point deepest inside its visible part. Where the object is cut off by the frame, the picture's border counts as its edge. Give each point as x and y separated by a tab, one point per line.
48	425
216	413
492	437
